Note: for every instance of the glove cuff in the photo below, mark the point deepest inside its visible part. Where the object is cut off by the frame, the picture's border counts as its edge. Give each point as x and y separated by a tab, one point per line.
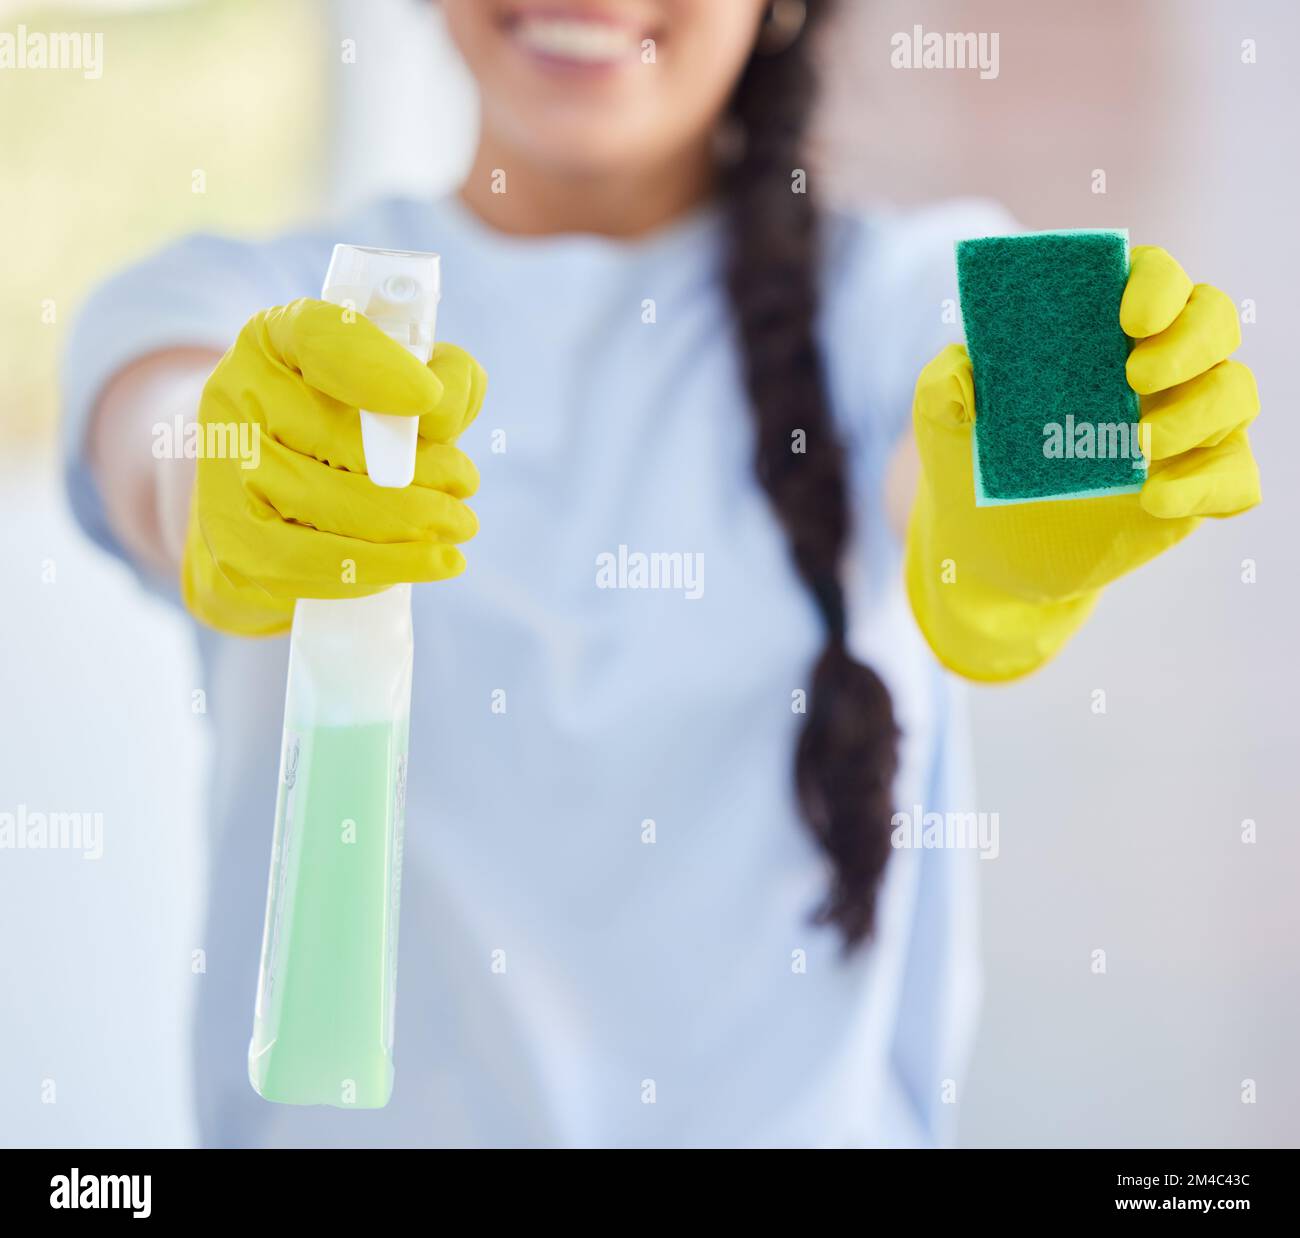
975	630
218	602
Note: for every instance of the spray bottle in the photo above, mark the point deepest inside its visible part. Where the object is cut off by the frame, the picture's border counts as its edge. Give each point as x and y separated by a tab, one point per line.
326	993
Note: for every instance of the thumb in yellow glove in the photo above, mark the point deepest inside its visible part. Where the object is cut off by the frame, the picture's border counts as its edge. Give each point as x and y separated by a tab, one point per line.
998	590
305	520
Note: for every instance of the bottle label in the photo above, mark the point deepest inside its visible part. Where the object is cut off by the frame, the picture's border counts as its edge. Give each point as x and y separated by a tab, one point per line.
291	766
395	879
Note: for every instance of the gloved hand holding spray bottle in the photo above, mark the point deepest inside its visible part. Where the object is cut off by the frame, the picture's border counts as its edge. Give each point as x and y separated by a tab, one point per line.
323	1027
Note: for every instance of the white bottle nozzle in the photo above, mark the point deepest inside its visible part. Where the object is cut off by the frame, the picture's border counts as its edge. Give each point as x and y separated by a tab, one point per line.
398	291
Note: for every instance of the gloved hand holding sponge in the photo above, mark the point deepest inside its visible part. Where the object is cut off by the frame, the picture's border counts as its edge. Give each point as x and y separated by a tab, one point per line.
308	522
998	589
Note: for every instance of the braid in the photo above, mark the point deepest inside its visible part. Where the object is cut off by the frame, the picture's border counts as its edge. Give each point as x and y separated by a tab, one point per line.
847	753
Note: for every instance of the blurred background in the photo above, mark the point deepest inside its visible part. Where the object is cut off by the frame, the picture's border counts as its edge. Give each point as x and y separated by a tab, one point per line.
1120	832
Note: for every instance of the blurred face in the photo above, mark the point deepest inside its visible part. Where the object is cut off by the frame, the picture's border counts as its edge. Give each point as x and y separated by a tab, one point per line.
595	86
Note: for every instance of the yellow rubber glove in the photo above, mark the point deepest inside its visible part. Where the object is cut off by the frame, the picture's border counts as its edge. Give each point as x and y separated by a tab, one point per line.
306	521
999	590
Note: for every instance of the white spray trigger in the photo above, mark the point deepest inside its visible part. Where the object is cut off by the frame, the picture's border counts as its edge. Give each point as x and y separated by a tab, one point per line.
398	291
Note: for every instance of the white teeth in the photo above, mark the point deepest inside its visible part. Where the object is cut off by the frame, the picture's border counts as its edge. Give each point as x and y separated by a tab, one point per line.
588	41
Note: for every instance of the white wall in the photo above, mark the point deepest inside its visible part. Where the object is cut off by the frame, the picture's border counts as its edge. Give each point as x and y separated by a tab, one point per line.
96	977
1123	832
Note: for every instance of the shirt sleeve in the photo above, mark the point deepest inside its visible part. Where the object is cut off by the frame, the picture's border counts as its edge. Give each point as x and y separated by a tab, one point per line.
890	305
197	292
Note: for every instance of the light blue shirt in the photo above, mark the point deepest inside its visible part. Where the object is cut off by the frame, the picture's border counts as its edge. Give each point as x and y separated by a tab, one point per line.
569	972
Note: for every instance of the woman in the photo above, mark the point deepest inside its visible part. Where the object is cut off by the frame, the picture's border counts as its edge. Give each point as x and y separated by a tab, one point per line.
650	895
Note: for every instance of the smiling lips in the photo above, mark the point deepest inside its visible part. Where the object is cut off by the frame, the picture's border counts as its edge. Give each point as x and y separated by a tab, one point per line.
577	40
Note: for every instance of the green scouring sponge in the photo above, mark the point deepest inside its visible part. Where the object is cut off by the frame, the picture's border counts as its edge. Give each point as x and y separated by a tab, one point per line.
1055	416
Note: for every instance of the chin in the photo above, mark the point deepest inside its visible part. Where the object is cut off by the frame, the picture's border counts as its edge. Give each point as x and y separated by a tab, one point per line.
579	148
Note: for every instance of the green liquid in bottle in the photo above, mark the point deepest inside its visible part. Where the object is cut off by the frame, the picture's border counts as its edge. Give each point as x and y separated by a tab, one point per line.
323	1031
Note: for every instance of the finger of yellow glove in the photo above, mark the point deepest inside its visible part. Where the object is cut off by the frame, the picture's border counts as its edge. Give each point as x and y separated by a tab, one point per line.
1207	481
945	392
1201	412
441	466
464	384
316	425
1156	291
344	355
330	432
1205	333
306	492
295	561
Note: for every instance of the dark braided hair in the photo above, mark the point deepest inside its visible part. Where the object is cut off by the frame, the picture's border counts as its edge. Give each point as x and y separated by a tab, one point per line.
848	750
